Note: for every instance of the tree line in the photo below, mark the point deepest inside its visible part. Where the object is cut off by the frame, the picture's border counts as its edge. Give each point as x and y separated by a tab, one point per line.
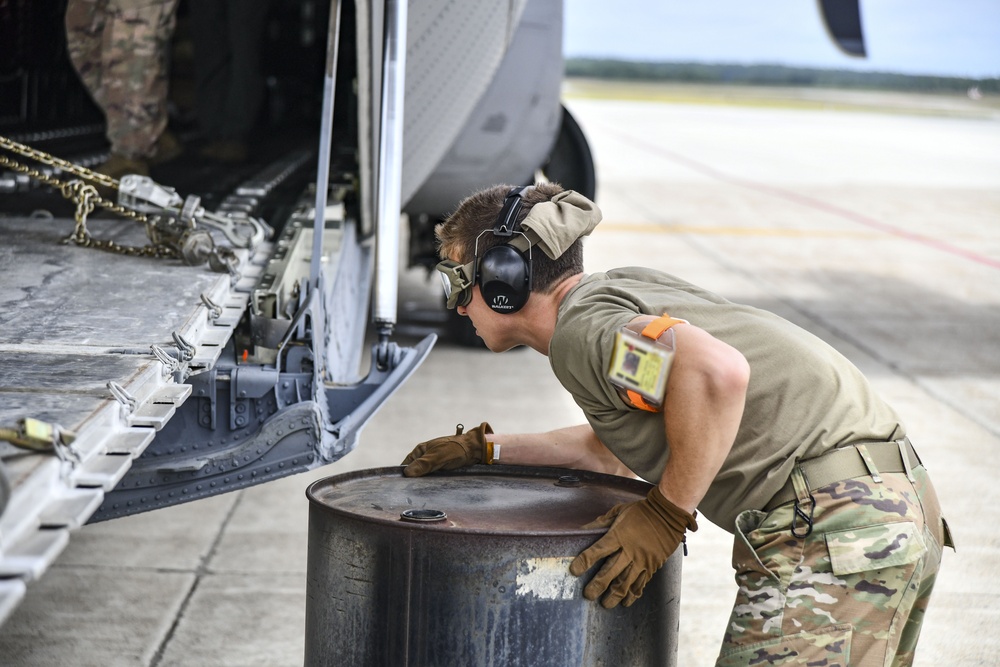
771	75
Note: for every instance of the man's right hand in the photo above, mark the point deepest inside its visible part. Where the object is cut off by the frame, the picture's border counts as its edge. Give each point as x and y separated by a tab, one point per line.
449	452
642	536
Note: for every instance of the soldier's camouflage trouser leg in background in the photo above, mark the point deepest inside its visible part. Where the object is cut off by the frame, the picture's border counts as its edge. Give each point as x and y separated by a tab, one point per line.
852	592
121	50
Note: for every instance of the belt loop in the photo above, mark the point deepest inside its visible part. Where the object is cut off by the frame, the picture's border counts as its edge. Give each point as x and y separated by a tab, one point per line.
802	495
905	455
913	450
869	463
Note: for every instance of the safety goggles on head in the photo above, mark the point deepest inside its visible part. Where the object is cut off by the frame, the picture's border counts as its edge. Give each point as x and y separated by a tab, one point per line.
457	280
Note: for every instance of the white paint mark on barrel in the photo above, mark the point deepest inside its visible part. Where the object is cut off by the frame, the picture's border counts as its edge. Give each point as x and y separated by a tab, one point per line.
547	579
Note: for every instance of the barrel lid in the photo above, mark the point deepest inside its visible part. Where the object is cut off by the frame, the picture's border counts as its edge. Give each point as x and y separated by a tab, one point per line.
491	499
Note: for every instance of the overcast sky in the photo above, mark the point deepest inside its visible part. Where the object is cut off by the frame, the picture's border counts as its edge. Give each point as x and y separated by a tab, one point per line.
942	37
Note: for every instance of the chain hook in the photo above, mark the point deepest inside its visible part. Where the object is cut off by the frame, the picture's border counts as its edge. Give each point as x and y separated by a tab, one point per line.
83	195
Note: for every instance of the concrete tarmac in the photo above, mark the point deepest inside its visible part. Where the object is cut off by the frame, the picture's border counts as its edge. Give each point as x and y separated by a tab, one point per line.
878	232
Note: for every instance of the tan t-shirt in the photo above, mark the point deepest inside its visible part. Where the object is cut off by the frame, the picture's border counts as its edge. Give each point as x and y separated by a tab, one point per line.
804	397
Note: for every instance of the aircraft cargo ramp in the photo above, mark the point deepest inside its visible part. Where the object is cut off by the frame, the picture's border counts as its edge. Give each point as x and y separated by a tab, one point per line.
84	346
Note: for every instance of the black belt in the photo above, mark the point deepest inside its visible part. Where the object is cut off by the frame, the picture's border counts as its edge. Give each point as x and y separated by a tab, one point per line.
847	463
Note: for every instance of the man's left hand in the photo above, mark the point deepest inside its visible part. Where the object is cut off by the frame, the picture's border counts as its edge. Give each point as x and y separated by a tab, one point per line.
642	536
448	452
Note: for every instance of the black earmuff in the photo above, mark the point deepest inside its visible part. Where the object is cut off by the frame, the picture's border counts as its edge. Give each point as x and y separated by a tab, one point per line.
503	272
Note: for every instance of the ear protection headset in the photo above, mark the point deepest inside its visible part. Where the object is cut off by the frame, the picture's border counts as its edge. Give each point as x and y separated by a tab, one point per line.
503	272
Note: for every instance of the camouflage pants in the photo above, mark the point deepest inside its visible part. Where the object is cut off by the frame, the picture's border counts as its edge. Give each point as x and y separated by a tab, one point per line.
852	592
120	49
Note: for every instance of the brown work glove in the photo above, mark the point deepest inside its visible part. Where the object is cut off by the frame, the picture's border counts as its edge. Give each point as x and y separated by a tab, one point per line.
449	452
642	536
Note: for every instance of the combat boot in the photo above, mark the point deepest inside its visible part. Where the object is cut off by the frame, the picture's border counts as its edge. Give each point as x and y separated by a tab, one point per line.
230	151
166	148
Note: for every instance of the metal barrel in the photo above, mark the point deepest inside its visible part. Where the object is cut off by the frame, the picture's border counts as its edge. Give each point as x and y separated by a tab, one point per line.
471	568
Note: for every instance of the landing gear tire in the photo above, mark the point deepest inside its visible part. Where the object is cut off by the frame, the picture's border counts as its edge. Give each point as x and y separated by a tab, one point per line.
571	164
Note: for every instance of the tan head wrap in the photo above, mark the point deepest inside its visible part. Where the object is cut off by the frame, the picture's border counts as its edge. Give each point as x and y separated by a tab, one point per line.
555	224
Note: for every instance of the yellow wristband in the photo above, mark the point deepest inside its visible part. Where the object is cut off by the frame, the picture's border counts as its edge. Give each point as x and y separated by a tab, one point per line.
489	452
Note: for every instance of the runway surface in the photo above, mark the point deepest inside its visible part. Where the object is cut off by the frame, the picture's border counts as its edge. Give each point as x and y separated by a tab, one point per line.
878	232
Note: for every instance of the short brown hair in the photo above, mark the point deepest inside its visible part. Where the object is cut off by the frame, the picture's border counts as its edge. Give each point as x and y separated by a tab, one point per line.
478	212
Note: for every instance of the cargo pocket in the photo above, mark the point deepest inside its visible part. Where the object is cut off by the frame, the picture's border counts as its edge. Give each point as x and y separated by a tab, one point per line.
877	573
877	547
831	648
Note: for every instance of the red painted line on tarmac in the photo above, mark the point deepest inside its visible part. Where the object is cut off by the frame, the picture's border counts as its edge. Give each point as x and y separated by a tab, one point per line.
811	202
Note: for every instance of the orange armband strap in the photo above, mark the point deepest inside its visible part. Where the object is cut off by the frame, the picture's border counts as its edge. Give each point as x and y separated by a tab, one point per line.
656	328
639	402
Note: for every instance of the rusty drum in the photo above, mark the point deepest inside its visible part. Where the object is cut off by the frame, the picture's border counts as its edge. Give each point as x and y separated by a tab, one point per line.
471	567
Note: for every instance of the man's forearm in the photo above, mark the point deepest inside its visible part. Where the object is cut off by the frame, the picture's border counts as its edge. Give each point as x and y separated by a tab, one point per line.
572	447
